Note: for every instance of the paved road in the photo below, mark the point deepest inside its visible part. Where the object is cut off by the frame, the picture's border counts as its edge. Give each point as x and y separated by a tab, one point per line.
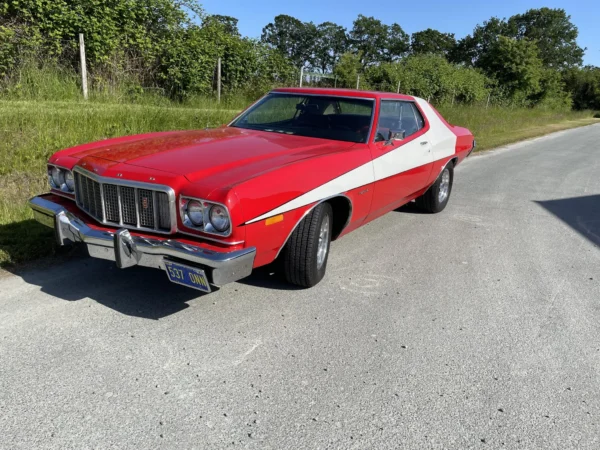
475	328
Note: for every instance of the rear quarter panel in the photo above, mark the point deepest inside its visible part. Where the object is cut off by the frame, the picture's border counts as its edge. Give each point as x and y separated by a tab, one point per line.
464	141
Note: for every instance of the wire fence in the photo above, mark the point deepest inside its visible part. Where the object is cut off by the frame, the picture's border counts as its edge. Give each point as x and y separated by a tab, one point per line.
129	72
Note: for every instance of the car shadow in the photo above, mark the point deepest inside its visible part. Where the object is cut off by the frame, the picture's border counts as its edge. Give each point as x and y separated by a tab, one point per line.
136	291
410	208
580	213
269	277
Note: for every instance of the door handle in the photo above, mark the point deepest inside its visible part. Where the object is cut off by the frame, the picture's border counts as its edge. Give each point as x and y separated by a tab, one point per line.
424	142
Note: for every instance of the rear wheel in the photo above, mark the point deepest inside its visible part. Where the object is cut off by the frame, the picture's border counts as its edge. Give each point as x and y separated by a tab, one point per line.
436	197
307	250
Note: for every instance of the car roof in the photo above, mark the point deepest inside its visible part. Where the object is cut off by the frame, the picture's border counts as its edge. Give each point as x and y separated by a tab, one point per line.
339	92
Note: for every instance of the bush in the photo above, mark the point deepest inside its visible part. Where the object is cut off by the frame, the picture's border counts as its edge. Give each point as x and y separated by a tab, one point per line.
431	77
132	47
584	86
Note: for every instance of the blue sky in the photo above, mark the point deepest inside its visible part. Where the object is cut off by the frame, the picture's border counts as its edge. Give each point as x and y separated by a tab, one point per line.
457	16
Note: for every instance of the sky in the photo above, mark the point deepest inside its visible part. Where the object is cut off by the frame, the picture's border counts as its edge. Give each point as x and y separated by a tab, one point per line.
458	16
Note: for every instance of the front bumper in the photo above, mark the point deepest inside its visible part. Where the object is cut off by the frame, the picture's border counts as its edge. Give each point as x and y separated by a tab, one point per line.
128	250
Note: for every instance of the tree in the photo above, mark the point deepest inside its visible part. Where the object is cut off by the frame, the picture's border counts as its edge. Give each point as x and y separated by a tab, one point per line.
517	67
584	86
554	34
472	48
553	93
188	64
138	26
330	44
293	38
429	76
230	24
377	42
551	30
432	41
347	69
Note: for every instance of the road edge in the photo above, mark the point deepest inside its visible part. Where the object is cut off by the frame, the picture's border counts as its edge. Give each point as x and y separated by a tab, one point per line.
525	142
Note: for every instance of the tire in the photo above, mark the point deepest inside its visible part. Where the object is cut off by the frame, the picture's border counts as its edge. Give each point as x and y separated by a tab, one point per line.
303	265
437	196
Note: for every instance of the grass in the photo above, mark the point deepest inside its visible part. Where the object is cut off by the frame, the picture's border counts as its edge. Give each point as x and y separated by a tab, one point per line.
30	131
495	127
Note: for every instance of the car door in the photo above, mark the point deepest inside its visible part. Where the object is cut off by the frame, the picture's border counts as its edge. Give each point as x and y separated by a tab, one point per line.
401	167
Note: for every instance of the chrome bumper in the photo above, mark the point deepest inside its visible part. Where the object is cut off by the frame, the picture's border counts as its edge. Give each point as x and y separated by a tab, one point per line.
127	250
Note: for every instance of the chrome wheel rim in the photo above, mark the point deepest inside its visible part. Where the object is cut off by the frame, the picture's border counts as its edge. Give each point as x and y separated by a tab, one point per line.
444	186
323	242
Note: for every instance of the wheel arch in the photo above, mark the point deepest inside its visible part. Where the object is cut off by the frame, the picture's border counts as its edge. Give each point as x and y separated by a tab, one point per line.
341	206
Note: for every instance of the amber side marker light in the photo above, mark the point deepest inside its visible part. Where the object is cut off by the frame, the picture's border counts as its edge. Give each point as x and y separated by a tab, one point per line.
274	219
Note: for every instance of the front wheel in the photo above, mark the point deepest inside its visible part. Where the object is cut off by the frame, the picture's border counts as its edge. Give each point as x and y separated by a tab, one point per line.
436	197
307	250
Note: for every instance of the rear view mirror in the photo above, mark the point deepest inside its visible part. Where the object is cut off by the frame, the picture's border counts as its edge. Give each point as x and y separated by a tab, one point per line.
311	108
395	135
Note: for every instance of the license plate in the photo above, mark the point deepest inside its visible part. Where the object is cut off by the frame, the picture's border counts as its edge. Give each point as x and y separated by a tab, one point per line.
187	276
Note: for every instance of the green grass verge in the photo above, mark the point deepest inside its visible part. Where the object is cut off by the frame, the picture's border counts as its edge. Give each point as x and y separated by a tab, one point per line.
495	127
30	131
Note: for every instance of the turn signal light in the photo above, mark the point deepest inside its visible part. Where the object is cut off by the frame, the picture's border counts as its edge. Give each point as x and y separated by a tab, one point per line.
274	219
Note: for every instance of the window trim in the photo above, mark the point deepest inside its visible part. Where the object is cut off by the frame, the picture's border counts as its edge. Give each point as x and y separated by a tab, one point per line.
413	136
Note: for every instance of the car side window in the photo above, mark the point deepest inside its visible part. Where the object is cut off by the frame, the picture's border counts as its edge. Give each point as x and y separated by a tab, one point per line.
397	115
412	121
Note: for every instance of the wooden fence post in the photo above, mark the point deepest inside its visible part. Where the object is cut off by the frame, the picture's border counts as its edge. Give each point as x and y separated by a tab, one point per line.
219	80
357	81
84	84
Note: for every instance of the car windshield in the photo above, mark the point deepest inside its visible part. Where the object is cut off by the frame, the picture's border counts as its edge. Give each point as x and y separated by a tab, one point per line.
319	116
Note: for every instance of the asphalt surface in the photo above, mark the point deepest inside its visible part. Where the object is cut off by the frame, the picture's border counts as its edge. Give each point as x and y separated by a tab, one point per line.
475	328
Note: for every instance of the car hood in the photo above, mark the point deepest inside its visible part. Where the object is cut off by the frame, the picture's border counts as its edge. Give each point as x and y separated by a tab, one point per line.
199	155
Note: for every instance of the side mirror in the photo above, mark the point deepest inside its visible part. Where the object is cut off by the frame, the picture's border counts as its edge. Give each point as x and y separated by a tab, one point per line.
395	135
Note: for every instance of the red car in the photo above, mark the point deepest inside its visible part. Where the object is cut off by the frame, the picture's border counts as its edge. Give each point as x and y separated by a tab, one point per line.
297	169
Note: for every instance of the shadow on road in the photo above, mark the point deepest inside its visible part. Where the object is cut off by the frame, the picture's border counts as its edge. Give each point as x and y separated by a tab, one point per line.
269	277
136	291
410	208
580	213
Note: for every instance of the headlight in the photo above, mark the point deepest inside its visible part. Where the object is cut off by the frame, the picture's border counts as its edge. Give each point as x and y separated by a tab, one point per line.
58	177
70	181
195	212
205	216
61	179
219	218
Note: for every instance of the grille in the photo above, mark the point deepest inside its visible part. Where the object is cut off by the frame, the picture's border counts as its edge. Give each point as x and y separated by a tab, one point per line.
114	204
